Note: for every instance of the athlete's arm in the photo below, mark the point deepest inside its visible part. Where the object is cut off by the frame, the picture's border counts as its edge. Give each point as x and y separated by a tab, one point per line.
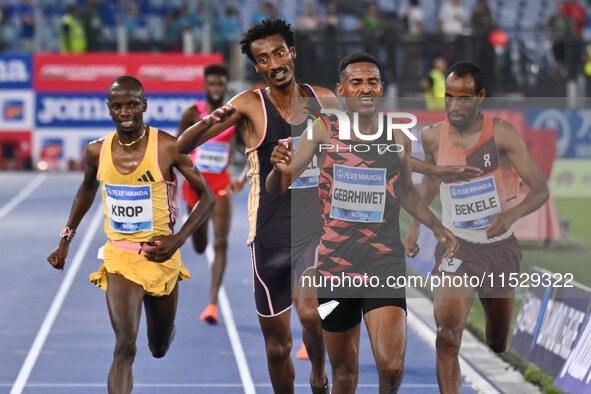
167	245
289	164
412	202
509	143
446	174
189	118
82	202
279	179
285	170
207	128
428	189
237	110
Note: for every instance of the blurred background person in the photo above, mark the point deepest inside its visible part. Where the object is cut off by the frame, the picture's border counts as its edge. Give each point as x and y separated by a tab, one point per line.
93	27
434	85
135	25
72	34
227	31
413	18
483	23
371	28
560	30
26	14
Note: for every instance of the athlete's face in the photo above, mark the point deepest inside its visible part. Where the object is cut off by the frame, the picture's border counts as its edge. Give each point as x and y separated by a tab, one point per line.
127	105
274	60
215	89
362	88
462	101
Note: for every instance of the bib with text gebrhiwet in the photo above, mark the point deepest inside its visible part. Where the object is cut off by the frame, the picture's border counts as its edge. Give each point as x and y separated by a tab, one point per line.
358	194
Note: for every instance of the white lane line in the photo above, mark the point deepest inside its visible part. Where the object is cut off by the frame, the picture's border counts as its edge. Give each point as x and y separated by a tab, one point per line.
56	305
472	376
237	348
201	385
30	188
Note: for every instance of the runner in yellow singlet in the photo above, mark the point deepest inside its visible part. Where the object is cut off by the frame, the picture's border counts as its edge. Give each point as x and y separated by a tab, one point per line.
142	261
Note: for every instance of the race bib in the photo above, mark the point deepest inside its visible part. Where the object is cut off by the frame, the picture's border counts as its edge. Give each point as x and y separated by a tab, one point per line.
129	208
473	204
213	157
358	194
450	265
309	177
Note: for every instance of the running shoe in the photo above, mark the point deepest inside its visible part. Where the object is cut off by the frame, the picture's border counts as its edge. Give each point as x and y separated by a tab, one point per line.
302	354
210	314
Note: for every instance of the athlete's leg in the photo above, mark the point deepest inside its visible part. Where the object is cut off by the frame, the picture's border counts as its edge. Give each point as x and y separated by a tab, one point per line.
387	332
451	307
222	218
307	308
343	353
160	315
277	333
498	312
199	236
124	300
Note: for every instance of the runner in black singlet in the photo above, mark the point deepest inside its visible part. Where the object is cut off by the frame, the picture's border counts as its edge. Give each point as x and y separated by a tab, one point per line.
362	185
264	116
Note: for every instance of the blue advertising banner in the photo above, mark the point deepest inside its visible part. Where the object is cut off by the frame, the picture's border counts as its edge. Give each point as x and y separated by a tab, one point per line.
549	322
16	72
529	320
574	129
560	327
575	375
90	110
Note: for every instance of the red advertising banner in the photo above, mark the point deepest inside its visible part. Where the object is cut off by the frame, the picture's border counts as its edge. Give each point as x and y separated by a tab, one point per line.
93	72
15	150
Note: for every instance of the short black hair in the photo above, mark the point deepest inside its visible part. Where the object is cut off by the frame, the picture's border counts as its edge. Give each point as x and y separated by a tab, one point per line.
461	69
356	57
264	29
216	69
126	79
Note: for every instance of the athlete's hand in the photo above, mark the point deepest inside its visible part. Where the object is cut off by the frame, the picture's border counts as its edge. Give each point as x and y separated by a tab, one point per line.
57	258
281	156
449	174
234	187
163	248
411	247
445	236
499	224
220	115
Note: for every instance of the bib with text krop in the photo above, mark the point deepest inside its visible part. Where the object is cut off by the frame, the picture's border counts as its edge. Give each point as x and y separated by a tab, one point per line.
129	208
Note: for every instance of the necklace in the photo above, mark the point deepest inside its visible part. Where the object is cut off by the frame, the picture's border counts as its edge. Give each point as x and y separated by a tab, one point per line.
132	142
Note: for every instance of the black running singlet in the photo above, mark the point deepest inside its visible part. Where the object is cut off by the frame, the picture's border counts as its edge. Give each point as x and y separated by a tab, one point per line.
359	187
270	215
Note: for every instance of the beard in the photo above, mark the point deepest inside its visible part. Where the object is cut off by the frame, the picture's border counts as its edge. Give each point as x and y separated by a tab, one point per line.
215	102
465	121
284	85
460	125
